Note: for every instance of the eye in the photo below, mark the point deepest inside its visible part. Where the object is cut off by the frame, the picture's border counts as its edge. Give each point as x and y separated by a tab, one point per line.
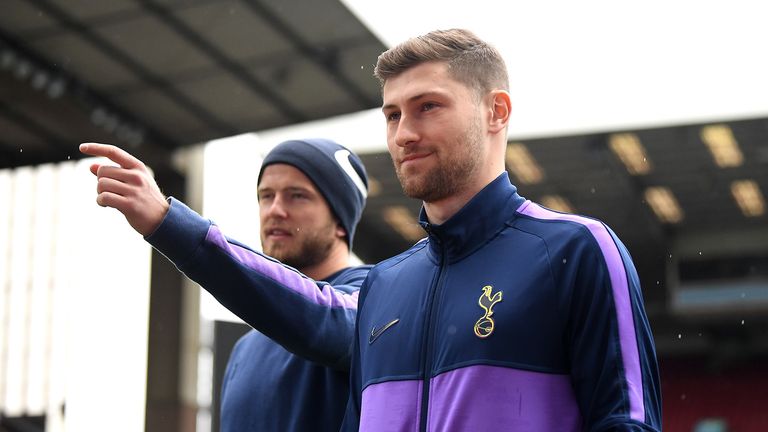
427	106
263	196
393	116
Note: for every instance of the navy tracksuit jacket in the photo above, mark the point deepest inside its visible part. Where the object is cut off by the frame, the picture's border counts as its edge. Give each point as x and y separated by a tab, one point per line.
507	317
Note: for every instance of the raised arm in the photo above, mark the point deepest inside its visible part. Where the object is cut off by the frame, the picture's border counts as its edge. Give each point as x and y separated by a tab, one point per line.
310	318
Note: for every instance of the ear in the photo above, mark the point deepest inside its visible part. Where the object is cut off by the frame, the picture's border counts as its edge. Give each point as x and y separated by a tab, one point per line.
501	108
340	231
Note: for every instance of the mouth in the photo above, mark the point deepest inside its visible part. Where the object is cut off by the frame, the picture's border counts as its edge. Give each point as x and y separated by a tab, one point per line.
277	233
413	157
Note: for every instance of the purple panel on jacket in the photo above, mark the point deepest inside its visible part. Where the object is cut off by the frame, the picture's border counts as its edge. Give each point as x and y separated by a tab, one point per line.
282	275
491	398
623	305
391	406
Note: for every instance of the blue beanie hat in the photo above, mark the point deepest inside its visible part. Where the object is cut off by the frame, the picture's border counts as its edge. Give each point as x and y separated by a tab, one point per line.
337	173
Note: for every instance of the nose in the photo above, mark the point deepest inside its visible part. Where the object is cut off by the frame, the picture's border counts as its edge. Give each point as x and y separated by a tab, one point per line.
405	132
275	208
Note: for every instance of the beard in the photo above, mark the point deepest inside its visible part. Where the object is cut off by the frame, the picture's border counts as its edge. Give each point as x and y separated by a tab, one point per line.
452	172
308	248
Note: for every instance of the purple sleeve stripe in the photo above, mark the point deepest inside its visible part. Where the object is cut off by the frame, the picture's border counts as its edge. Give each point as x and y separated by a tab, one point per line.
283	276
621	297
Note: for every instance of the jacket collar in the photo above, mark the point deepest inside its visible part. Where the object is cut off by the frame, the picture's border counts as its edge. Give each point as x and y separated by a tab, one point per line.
475	223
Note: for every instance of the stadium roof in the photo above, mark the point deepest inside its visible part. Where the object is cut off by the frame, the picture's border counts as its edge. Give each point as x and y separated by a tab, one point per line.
155	75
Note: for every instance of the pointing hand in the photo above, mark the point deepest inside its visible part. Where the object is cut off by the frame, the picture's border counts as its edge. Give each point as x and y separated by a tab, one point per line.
128	187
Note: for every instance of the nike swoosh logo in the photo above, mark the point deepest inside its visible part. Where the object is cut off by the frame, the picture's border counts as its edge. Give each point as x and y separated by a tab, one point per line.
376	332
342	157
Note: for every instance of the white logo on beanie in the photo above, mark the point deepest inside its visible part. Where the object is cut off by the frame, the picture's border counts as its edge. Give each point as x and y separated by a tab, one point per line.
342	157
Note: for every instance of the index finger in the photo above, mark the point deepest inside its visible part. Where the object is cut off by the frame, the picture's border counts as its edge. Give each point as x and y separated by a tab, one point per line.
113	153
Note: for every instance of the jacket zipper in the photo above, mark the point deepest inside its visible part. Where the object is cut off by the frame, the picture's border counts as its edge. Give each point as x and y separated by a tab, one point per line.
428	340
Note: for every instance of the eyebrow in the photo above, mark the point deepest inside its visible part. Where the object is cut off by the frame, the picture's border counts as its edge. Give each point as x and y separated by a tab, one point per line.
415	98
289	189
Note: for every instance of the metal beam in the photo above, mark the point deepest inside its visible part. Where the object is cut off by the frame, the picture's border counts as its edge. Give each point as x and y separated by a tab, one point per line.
326	62
85	98
231	66
54	142
112	51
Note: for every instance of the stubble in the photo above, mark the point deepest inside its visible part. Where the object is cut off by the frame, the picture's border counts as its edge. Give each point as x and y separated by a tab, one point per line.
453	172
311	248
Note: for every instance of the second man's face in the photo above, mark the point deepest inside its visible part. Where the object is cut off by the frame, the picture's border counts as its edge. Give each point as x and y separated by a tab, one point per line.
297	226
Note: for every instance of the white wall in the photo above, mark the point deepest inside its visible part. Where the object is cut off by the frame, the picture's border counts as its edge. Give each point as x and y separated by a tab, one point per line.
74	303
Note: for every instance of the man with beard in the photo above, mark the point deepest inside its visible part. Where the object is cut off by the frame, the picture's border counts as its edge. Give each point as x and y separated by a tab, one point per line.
508	316
311	195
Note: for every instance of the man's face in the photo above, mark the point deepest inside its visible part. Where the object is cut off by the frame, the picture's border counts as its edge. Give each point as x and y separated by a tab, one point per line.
435	132
297	226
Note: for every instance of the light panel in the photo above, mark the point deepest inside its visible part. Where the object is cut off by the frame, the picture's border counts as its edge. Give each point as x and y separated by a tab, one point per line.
374	187
556	202
722	145
749	197
522	164
405	223
664	204
630	151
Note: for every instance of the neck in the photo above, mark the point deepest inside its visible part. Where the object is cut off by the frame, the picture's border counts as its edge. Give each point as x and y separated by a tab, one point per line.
443	209
337	259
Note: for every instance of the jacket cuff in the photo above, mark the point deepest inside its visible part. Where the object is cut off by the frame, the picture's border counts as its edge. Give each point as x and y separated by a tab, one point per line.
180	233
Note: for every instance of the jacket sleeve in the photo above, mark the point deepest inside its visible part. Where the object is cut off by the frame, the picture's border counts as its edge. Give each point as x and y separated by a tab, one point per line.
613	359
309	318
352	414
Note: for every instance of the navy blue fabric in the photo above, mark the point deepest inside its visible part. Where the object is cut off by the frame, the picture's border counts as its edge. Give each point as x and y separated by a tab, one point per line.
557	315
267	388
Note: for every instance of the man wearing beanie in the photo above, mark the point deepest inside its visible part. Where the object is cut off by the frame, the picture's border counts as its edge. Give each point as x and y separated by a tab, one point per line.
311	196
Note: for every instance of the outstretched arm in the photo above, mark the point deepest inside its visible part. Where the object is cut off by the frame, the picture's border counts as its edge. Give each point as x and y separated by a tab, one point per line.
309	318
